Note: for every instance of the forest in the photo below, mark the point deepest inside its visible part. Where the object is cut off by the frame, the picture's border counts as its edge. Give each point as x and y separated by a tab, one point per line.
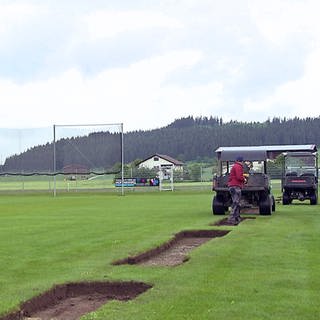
186	139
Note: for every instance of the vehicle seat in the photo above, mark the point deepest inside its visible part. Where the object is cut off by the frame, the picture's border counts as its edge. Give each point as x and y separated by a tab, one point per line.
308	174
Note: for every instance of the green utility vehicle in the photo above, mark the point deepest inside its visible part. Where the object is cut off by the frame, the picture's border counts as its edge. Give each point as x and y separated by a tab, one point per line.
300	177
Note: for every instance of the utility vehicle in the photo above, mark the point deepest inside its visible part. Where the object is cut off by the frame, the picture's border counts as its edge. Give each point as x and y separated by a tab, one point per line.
300	177
256	192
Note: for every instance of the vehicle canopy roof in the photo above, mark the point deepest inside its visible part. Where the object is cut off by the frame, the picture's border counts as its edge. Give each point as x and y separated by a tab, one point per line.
257	153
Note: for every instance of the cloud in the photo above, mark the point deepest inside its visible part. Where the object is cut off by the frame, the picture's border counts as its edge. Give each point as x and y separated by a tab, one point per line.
16	20
286	20
146	63
115	95
15	15
104	24
299	97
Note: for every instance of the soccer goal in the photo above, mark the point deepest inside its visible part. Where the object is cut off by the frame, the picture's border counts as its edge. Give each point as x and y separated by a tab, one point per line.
87	156
166	178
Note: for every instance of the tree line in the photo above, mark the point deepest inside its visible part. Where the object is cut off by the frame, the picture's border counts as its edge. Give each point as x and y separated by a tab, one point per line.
185	139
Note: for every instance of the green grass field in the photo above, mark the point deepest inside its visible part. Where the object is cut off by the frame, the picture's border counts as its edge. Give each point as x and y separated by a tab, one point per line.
94	183
46	183
267	268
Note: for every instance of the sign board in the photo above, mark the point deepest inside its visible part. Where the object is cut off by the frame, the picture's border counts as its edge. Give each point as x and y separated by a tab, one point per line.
137	182
127	182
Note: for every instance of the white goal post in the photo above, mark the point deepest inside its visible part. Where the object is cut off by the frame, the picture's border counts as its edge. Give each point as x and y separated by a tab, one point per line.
69	134
166	178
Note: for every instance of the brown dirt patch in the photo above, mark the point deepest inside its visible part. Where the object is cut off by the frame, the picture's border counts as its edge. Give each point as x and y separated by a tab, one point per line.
251	210
174	251
224	222
73	300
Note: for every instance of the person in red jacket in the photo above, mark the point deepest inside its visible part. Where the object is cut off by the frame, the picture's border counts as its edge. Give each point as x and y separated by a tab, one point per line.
235	183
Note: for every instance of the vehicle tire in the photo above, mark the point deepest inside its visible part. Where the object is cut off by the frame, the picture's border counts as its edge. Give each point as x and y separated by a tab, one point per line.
217	206
265	206
314	199
286	199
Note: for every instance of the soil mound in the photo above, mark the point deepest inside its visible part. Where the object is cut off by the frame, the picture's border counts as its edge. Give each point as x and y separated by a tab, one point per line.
225	222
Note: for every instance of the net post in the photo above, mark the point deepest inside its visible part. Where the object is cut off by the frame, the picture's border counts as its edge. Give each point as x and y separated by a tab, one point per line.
122	160
54	161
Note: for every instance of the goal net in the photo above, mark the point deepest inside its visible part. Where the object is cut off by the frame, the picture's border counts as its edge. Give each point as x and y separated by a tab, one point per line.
61	158
87	157
25	153
166	178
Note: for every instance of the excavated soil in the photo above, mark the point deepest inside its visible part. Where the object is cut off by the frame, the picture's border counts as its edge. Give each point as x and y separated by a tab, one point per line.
251	210
73	300
173	252
225	222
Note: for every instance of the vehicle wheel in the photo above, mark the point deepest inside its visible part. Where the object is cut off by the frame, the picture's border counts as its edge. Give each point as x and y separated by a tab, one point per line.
286	199
217	206
273	208
265	206
313	199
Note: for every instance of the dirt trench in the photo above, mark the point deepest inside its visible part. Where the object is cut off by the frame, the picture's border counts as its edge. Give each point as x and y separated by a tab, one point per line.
73	300
174	252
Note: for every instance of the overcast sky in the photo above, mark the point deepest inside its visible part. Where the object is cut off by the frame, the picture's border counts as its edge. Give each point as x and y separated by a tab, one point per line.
146	63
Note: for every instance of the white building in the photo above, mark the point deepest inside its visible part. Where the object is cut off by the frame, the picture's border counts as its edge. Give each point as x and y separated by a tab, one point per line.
158	161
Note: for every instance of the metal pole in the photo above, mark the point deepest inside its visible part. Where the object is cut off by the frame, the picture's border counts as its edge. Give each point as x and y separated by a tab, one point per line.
54	161
122	161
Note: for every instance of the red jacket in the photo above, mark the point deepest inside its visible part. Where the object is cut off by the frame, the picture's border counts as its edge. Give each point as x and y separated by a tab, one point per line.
236	178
